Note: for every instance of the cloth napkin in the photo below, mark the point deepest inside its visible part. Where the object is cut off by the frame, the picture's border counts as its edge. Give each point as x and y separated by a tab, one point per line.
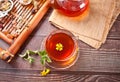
92	28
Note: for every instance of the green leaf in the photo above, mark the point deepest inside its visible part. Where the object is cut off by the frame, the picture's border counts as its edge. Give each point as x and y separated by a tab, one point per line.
44	56
31	52
48	60
25	59
42	61
43	53
31	60
39	53
24	55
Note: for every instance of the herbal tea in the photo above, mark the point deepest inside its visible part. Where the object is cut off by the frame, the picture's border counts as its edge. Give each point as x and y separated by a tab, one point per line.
66	42
71	7
62	48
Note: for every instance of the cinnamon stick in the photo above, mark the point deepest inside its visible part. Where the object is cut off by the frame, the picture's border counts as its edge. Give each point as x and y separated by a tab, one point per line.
5	55
5	38
31	26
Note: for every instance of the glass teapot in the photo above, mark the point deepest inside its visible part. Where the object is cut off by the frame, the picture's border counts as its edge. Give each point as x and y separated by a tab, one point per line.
70	7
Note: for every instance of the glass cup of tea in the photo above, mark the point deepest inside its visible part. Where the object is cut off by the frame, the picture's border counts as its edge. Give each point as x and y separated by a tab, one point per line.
62	48
70	7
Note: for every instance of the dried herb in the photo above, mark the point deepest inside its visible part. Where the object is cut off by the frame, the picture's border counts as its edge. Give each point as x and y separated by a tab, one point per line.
1	26
35	4
4	5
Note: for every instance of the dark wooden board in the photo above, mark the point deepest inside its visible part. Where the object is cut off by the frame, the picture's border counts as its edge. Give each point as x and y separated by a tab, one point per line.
14	75
102	65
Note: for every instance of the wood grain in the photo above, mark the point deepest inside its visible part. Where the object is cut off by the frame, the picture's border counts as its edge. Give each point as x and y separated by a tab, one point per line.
93	65
34	76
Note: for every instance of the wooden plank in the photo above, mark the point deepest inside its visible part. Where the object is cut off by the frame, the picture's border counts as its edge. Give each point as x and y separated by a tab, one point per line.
90	59
103	64
118	18
34	76
106	59
115	30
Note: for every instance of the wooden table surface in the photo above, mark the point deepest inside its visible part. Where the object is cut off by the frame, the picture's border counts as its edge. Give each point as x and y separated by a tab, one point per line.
102	65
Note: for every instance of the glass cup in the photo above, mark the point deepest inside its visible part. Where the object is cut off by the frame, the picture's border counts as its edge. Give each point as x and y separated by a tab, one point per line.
70	7
62	48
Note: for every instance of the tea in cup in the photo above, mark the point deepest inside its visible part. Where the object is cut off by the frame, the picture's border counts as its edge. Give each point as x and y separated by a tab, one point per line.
62	48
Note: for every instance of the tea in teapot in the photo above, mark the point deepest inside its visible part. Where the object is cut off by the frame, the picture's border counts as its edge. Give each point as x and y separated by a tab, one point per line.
70	7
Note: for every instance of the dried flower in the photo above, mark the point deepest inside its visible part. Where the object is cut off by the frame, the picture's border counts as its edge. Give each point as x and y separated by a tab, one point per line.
45	72
59	47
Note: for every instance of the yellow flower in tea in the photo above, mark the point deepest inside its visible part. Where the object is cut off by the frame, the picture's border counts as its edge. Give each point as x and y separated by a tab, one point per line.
59	47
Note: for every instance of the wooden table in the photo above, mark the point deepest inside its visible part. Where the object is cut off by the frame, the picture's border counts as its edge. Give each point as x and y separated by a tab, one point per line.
102	65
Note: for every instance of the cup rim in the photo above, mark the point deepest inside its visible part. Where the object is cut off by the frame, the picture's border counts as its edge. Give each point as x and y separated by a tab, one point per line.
65	67
69	34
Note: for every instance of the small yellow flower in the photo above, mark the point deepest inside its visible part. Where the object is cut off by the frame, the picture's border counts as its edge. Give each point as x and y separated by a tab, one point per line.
59	47
45	72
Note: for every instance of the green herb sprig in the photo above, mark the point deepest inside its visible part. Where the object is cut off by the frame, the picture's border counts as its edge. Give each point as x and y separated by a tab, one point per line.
44	58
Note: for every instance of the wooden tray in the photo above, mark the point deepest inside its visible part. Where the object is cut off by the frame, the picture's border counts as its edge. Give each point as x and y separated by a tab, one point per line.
18	25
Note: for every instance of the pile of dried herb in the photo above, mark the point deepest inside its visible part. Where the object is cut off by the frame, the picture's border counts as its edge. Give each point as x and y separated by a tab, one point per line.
5	5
